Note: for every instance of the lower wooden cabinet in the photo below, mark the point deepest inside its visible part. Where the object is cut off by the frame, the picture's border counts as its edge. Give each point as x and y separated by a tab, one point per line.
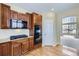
31	43
25	47
22	46
0	50
5	49
16	49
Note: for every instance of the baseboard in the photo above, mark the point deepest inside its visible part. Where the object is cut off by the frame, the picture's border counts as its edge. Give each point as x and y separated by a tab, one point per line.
47	46
52	45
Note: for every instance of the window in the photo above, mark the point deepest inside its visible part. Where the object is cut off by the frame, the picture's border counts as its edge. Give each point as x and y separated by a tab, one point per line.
69	25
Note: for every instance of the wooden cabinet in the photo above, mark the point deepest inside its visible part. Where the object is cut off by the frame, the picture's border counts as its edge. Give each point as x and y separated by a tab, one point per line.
40	22
28	19
27	44
37	19
16	49
25	47
34	17
18	16
5	49
21	16
14	14
31	43
4	16
0	50
32	25
22	44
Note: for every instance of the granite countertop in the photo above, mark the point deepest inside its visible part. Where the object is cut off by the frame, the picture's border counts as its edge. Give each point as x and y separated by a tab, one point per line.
2	40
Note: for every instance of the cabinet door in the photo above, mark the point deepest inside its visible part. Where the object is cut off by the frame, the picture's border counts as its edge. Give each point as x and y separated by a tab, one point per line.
25	47
5	16
31	43
16	48
39	20
14	15
5	49
0	50
34	16
28	19
20	16
24	17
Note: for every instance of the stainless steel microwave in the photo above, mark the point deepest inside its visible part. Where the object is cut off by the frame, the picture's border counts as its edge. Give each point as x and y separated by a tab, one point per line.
18	24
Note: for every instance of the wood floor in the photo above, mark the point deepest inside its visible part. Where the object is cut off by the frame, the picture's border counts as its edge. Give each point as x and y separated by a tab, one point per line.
52	51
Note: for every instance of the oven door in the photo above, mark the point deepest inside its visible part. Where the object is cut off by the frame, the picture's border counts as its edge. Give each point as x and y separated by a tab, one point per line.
37	34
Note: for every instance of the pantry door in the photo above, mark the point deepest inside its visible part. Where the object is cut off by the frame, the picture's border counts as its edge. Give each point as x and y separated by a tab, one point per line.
48	32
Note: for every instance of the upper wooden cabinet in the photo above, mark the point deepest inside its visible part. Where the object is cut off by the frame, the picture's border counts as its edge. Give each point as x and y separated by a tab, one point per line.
21	16
14	15
17	15
28	19
37	18
4	16
34	18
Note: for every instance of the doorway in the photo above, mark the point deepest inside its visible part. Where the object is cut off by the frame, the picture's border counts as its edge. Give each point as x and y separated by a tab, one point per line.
48	31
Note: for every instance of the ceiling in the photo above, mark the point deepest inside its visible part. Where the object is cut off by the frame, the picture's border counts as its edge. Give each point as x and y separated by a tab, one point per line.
45	7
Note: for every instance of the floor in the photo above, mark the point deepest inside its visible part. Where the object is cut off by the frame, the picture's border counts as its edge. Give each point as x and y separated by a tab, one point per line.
53	51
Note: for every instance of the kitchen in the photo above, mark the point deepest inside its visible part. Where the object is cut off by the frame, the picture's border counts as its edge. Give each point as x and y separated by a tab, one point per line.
30	29
20	30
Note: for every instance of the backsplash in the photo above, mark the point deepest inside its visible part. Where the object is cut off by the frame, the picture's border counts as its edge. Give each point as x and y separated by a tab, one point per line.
6	33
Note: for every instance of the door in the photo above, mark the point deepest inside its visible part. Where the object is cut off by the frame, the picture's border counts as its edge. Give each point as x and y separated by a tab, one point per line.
48	32
5	16
31	43
6	49
0	50
16	48
25	47
14	15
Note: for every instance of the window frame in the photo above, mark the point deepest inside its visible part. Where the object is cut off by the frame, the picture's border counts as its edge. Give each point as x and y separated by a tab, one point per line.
74	23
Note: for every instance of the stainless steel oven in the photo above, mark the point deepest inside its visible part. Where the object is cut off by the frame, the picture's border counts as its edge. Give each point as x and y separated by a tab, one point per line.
37	34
